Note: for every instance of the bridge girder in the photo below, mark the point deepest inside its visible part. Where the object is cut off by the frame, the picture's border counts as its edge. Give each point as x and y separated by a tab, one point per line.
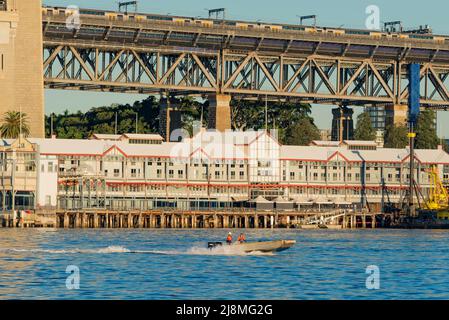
158	57
318	79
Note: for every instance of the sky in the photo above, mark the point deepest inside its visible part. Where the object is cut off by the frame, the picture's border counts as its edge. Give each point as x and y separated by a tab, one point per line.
347	13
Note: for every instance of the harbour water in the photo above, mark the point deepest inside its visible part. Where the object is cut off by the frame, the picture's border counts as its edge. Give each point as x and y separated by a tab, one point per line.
174	264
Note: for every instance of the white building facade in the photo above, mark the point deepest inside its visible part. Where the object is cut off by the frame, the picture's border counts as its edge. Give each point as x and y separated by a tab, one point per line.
210	170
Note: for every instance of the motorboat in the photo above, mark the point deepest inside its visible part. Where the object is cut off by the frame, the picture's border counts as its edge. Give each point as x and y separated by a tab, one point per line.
261	246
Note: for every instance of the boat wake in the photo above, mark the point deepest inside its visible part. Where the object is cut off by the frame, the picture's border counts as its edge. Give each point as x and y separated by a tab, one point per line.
219	251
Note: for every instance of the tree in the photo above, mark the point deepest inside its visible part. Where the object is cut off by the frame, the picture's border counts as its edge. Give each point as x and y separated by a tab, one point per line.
364	130
245	115
248	115
302	133
396	136
13	124
426	131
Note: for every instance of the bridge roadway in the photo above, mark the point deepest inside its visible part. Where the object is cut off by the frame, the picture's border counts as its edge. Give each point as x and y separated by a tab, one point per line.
163	56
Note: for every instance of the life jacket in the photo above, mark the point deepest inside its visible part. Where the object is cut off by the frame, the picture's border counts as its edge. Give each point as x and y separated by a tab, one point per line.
229	238
241	238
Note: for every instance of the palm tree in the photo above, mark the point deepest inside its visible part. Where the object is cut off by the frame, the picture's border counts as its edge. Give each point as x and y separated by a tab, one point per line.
11	123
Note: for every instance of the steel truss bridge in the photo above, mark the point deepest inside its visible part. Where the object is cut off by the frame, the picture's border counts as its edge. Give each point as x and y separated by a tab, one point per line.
153	57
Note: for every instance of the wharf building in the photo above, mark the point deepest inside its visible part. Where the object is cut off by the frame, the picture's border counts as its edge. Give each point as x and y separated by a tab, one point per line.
211	170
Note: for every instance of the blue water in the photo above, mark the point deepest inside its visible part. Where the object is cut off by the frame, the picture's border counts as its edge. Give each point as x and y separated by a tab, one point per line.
173	264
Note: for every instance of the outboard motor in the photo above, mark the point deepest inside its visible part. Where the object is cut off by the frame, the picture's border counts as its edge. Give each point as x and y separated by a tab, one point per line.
211	245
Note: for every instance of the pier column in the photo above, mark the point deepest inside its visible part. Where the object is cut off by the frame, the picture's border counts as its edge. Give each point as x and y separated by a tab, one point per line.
364	221
396	115
141	220
66	221
220	112
225	221
163	221
256	221
86	220
76	220
81	218
194	225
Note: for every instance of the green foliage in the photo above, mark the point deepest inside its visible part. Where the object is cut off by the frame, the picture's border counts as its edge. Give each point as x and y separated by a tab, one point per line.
283	116
364	130
102	120
302	133
245	115
396	137
426	131
14	123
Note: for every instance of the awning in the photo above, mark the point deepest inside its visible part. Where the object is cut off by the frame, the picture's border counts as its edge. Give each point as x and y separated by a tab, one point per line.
282	200
304	201
343	203
223	199
239	199
260	199
324	201
263	204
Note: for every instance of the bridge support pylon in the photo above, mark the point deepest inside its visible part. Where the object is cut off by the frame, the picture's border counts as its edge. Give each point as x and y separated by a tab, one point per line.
219	112
21	74
169	119
396	115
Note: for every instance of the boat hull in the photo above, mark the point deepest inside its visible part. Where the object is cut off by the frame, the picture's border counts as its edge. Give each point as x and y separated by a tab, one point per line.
263	246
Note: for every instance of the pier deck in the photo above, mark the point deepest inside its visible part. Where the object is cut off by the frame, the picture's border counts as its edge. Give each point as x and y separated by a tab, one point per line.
174	219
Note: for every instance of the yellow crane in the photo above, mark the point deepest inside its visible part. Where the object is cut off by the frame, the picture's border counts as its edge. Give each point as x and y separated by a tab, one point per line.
438	195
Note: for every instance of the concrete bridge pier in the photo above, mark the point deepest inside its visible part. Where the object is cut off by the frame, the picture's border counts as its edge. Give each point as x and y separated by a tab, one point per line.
169	118
21	72
220	112
396	115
